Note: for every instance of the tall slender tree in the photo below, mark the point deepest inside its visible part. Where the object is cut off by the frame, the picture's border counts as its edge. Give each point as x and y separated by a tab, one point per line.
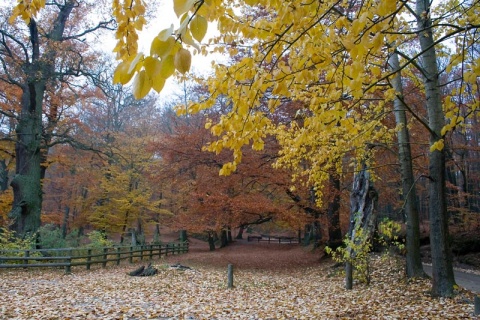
442	269
409	195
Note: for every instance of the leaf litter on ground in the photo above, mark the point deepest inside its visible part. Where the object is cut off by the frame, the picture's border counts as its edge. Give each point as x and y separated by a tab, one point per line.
299	292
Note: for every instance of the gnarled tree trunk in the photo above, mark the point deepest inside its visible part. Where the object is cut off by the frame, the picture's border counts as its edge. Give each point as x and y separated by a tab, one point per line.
39	70
362	216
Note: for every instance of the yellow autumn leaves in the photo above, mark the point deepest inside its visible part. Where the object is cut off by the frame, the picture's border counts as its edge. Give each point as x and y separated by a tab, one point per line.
167	54
26	9
326	55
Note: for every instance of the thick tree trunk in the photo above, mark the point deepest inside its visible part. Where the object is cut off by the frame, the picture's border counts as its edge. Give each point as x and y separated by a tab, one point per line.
240	233
410	207
442	269
39	69
183	235
362	216
26	184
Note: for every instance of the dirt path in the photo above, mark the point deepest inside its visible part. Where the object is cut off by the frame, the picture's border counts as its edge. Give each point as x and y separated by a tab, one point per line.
469	281
250	255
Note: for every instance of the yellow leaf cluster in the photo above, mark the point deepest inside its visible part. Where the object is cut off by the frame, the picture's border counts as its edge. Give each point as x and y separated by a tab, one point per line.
26	9
167	51
130	19
437	145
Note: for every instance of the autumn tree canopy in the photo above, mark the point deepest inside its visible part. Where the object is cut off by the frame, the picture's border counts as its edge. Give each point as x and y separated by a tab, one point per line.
45	63
329	58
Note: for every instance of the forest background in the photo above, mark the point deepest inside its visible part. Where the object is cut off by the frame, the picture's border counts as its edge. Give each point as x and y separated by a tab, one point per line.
288	120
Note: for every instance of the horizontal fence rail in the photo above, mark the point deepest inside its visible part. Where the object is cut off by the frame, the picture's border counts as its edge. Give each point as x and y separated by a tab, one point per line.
273	239
69	257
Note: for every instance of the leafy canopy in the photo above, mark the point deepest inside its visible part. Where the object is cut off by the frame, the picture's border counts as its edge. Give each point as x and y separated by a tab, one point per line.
329	57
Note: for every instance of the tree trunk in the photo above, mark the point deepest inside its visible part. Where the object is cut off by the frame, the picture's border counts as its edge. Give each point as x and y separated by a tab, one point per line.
66	216
183	235
240	233
29	172
308	234
442	269
26	184
333	213
140	233
211	242
134	237
223	239
362	216
3	175
229	235
410	207
156	234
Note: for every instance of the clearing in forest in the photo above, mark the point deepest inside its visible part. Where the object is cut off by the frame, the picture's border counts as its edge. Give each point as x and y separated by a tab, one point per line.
271	282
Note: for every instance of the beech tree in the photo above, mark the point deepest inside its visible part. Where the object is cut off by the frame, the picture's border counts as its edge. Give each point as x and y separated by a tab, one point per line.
414	266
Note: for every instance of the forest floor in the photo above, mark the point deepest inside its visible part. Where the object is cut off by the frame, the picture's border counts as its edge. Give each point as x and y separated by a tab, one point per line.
271	281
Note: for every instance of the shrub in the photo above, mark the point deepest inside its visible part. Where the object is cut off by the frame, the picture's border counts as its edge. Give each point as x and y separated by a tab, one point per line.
357	255
50	237
389	233
98	240
9	241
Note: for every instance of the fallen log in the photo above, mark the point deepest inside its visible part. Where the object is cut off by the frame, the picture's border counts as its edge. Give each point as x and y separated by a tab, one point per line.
149	271
137	272
144	272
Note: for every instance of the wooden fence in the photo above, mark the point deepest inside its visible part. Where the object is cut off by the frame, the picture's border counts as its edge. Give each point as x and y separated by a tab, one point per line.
70	257
273	239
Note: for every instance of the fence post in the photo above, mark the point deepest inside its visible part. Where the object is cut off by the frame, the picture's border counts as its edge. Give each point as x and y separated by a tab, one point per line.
118	256
159	250
230	276
130	257
476	300
105	256
151	251
26	255
89	258
68	267
141	252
